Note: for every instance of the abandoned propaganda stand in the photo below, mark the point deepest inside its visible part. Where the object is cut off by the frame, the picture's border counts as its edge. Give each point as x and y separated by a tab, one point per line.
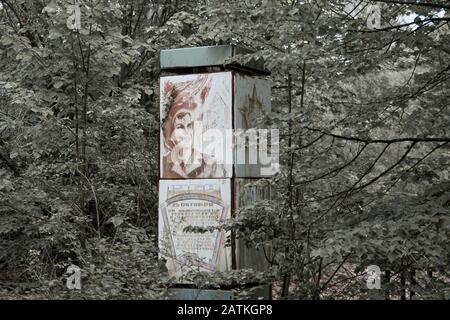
208	102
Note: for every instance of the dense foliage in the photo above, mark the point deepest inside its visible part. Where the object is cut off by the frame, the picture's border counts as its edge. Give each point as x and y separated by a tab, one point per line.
364	119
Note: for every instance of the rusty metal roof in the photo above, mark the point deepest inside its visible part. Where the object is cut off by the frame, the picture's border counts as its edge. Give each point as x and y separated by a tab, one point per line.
195	57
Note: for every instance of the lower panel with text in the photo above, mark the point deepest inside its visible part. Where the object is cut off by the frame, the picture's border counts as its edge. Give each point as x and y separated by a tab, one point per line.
186	209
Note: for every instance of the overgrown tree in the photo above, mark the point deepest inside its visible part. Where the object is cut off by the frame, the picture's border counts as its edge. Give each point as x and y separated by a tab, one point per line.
364	120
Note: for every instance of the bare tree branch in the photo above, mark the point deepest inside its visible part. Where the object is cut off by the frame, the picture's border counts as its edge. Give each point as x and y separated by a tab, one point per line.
368	140
338	169
416	3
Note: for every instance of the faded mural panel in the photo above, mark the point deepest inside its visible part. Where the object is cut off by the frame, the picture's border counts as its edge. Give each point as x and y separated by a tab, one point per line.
252	102
196	123
199	203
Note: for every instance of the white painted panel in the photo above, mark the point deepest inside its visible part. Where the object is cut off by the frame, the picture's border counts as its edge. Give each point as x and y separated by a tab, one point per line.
196	117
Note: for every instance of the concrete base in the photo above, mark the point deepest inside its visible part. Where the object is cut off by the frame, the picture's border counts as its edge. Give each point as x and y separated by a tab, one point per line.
258	293
198	294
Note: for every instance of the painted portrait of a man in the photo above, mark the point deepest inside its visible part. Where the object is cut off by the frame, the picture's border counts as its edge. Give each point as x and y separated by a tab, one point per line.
190	106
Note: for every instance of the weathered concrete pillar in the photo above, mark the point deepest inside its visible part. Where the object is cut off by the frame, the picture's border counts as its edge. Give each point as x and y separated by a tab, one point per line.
210	149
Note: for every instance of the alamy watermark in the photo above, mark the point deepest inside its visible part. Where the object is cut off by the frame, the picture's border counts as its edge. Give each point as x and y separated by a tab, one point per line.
74	19
74	280
371	12
227	147
373	280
